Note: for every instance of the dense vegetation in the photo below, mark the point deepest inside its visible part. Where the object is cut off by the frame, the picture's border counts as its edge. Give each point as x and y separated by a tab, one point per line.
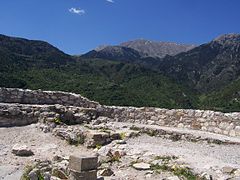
111	83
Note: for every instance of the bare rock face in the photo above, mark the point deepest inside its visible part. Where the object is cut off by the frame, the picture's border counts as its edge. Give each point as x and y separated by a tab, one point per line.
21	150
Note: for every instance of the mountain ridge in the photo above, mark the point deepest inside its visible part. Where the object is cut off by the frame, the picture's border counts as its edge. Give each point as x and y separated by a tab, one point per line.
148	48
190	79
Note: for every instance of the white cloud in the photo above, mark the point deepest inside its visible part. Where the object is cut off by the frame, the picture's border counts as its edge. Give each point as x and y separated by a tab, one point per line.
111	1
78	11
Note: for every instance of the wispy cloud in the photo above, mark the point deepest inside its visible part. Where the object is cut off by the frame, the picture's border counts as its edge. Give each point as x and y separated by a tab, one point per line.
78	11
110	1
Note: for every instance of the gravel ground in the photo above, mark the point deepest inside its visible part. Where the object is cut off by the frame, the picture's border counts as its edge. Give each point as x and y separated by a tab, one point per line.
200	156
44	146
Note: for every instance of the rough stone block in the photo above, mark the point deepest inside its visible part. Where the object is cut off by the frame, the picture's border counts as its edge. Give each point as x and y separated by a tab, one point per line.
87	175
80	164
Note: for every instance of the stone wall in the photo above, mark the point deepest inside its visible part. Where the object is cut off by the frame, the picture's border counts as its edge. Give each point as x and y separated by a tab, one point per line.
21	96
211	121
74	108
25	114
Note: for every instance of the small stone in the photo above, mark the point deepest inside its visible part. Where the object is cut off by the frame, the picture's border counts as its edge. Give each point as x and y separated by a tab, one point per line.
157	162
58	158
47	176
173	178
227	169
148	175
237	173
106	172
100	178
59	173
33	175
21	150
206	176
120	142
141	166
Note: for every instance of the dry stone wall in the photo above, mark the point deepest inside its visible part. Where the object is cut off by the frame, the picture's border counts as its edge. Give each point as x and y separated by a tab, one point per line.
210	121
25	114
34	106
21	96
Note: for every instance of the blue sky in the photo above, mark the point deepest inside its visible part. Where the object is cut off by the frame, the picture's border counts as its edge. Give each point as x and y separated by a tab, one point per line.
77	26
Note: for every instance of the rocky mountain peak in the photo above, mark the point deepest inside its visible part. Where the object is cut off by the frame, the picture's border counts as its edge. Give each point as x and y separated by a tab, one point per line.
157	49
228	39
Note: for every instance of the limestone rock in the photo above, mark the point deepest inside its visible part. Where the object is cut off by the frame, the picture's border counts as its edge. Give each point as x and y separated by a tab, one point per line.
227	169
21	150
33	175
95	138
106	172
173	178
141	166
237	173
59	173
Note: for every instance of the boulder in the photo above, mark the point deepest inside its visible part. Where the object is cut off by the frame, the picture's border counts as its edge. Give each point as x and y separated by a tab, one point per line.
95	138
21	150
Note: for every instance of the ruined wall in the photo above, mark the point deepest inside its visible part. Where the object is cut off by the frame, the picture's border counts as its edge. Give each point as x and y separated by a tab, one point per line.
25	114
11	95
211	121
86	110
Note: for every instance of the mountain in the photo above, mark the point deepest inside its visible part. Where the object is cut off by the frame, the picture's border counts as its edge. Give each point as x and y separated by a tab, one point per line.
208	67
157	49
31	49
19	53
205	77
137	50
114	53
39	65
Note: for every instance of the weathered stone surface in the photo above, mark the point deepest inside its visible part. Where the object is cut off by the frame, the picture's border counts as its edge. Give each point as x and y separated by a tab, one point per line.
80	164
141	166
59	173
33	175
95	138
21	150
11	95
106	172
173	178
85	175
237	173
228	170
